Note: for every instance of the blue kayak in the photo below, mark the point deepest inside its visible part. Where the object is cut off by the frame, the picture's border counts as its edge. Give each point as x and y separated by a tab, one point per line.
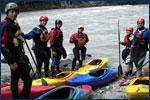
96	77
68	92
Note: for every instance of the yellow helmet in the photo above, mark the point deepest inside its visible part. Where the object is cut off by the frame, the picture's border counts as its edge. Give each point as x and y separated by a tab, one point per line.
80	26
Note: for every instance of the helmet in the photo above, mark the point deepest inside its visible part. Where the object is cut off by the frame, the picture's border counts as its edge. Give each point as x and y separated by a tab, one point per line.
80	26
58	21
44	18
11	6
140	20
129	29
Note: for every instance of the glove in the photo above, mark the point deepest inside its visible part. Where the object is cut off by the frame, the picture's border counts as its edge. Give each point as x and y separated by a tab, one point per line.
22	34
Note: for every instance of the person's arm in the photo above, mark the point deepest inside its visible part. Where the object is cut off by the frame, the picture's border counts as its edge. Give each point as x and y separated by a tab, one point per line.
133	41
32	33
52	34
4	44
86	38
71	39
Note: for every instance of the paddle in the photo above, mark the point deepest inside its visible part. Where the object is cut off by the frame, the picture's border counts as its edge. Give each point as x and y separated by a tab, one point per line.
30	53
119	67
133	74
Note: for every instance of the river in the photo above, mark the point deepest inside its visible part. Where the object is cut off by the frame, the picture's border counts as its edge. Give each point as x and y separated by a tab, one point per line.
101	25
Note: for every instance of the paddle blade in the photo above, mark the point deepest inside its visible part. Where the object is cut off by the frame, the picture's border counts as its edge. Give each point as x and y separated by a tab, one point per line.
44	83
120	70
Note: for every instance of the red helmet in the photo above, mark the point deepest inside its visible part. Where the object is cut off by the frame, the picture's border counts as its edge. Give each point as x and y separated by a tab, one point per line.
140	20
129	29
44	18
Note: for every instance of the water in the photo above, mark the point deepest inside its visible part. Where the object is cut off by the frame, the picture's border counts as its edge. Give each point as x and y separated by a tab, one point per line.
101	25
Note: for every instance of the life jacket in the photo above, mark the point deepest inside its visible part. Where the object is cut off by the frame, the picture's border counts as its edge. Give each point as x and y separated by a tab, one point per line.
44	36
17	38
11	37
140	39
81	41
57	38
128	40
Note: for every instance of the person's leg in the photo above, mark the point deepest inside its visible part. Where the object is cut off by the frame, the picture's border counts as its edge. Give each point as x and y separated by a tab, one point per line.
73	63
57	66
54	60
24	74
46	68
140	62
83	54
76	57
39	63
14	84
131	68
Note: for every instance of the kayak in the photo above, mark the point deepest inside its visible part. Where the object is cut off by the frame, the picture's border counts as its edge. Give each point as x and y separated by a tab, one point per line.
146	70
68	92
5	84
92	65
35	91
96	77
58	81
138	88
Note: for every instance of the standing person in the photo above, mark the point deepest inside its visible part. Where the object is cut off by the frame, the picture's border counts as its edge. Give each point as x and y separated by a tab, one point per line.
42	52
12	50
79	39
56	42
125	53
140	45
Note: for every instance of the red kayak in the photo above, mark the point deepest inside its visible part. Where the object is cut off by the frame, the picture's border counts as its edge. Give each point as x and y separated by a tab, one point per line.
5	84
35	91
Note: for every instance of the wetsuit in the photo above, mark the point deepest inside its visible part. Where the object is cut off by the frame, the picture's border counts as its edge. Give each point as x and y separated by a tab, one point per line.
79	50
140	47
125	53
42	52
12	50
56	42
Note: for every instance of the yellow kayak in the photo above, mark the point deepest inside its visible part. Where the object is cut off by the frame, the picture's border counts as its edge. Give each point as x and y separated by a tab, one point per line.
138	88
59	81
92	65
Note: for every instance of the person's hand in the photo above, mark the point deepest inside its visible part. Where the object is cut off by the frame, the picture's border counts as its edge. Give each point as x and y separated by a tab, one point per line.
54	53
13	66
22	34
120	42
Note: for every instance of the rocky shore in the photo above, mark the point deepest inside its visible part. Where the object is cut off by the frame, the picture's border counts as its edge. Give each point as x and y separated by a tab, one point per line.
108	91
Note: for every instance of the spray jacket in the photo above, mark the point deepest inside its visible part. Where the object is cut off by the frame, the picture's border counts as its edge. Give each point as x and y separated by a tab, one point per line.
39	35
141	38
11	41
79	39
127	41
56	38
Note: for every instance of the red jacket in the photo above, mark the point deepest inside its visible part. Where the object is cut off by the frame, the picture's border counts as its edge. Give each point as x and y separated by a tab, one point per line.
56	38
8	48
75	36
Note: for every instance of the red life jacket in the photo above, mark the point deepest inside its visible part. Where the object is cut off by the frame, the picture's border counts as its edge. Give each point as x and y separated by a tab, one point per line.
82	39
56	37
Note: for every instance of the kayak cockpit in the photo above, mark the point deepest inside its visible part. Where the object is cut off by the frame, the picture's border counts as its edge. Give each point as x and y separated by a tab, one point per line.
95	62
64	93
144	82
98	73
